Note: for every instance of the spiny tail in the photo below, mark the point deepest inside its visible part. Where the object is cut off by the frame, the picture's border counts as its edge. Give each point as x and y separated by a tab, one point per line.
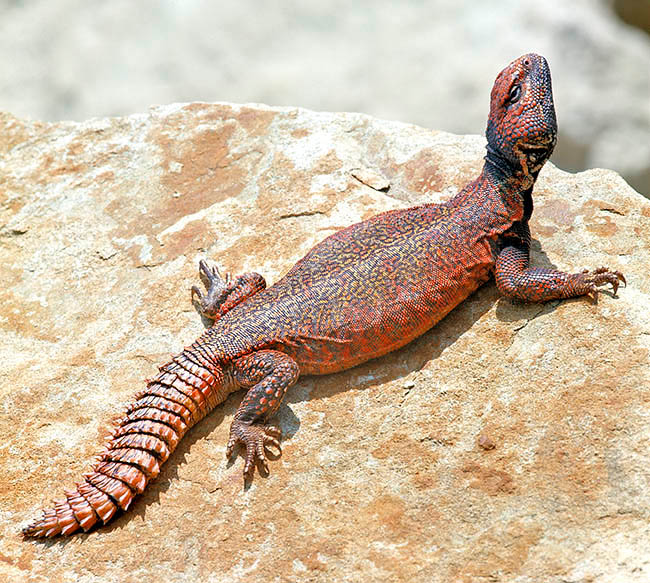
185	390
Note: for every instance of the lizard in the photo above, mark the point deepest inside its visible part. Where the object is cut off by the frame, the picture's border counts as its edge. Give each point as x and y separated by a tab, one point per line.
362	292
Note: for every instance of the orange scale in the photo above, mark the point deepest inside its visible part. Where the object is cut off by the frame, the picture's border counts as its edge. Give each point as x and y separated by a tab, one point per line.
155	414
143	441
133	477
101	502
82	510
114	488
146	462
160	430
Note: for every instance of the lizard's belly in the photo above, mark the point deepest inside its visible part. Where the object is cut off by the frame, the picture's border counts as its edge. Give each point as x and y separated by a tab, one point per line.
350	330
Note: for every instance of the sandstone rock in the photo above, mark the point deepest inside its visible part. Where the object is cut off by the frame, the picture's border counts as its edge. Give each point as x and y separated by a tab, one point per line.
383	476
425	62
633	12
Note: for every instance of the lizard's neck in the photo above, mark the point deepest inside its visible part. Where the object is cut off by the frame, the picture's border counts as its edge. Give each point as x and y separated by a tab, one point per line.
503	191
516	179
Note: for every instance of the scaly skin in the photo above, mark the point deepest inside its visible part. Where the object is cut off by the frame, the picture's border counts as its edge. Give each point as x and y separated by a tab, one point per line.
361	293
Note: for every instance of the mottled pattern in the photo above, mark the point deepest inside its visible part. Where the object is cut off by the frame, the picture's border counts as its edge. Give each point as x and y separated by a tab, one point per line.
359	294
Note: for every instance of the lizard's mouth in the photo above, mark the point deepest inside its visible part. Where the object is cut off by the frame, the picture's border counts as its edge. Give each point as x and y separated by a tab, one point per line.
542	143
539	149
534	153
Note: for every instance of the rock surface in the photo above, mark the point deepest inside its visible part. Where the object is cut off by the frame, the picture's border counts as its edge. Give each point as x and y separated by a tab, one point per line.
510	443
424	62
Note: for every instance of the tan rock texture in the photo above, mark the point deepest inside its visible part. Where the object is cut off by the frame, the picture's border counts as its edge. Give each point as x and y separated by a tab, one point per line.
425	62
510	443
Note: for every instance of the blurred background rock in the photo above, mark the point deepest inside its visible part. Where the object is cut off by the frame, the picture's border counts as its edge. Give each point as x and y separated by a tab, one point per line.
431	63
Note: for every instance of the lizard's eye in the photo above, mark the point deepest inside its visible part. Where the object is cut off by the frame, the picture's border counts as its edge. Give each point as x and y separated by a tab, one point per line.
515	93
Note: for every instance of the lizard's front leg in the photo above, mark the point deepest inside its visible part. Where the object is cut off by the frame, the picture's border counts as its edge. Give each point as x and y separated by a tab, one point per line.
222	295
267	374
515	279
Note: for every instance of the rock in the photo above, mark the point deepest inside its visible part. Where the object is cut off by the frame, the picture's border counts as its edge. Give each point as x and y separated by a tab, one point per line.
371	178
102	224
485	442
633	12
425	62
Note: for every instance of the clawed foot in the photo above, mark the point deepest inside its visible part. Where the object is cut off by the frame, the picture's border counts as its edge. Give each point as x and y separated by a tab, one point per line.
217	289
601	276
256	439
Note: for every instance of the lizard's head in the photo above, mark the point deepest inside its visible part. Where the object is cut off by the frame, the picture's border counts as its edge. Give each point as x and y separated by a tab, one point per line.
522	128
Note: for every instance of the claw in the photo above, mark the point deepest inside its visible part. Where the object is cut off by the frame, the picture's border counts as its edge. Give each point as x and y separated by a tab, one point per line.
272	441
196	291
211	276
602	276
256	439
215	289
592	294
620	278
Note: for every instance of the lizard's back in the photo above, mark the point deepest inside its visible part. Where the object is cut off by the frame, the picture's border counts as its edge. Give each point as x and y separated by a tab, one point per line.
364	291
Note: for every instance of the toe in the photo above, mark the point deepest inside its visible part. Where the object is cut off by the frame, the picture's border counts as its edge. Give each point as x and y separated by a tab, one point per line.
261	457
273	431
272	441
592	293
196	292
257	439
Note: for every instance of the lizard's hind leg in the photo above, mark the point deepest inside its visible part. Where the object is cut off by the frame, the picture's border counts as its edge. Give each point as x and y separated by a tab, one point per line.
223	294
267	374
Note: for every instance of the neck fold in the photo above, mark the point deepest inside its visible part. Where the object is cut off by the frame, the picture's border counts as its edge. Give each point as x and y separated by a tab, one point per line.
499	163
